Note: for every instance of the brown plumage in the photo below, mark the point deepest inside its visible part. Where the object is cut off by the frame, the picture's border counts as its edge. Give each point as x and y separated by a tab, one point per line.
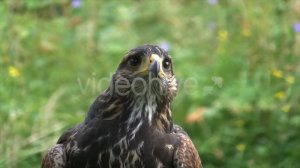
185	151
130	124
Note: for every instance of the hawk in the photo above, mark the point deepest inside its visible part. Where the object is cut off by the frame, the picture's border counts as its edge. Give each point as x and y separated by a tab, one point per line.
130	124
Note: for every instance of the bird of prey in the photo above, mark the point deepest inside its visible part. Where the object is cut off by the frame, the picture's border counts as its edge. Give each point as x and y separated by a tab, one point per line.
130	124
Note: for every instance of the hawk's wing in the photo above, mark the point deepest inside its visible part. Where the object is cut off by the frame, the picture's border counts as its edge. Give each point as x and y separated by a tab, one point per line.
186	155
55	158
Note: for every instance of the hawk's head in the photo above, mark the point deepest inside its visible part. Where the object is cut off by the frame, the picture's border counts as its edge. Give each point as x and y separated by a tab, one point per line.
146	71
141	90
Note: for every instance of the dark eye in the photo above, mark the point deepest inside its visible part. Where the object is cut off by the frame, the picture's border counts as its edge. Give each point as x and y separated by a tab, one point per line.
134	61
167	64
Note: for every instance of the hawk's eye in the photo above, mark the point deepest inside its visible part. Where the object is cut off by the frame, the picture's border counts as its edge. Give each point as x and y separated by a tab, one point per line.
167	64
134	60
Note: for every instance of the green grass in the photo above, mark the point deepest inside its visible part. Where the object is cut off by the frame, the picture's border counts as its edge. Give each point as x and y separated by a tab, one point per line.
243	55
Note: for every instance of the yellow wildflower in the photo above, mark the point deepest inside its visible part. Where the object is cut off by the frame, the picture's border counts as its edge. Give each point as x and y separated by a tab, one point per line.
223	35
290	79
13	72
277	73
279	95
246	32
240	147
286	108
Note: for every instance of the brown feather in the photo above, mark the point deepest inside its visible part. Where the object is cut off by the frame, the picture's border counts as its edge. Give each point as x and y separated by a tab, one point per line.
186	155
55	157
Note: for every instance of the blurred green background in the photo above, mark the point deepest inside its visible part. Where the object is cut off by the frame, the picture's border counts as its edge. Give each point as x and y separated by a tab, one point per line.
237	62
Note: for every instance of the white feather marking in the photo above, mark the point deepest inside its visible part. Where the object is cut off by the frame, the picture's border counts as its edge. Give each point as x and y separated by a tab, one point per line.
150	108
169	146
111	157
135	130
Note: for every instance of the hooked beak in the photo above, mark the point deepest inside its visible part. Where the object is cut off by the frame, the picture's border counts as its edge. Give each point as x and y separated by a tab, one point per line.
154	69
155	66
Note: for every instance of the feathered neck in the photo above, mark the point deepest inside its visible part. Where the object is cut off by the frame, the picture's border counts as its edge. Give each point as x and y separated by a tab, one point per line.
150	110
147	110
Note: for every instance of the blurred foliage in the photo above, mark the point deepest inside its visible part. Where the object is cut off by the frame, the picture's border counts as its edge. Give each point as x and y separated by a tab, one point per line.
237	63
